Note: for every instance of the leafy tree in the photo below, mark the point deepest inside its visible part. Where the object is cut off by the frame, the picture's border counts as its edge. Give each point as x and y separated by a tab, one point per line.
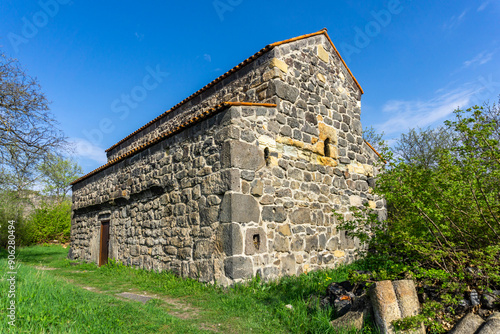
443	198
422	146
30	142
455	205
57	174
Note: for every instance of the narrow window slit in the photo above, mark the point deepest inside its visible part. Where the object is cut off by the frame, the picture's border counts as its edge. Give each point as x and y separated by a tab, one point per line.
256	241
267	158
327	147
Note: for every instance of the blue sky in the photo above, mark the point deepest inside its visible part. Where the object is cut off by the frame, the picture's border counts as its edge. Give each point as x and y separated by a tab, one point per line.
416	60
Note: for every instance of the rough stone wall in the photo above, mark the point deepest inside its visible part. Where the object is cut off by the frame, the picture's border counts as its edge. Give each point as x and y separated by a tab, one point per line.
283	221
163	204
318	162
249	191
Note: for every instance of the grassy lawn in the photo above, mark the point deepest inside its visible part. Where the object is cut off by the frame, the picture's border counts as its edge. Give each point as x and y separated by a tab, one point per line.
81	298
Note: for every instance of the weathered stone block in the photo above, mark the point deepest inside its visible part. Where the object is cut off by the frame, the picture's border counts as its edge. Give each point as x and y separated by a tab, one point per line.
203	249
301	216
385	304
332	244
492	325
468	324
255	241
297	244
351	320
267	199
241	155
232	239
355	200
213	200
239	208
322	241
284	230
273	214
184	253
322	54
257	188
238	267
208	215
203	271
288	265
281	244
407	297
220	182
283	90
275	62
321	77
134	250
311	243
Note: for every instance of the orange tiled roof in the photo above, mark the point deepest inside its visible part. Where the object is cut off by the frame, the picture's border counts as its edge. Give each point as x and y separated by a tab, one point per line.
170	133
236	68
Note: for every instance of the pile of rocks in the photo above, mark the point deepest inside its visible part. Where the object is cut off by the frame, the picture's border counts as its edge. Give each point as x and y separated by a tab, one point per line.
387	301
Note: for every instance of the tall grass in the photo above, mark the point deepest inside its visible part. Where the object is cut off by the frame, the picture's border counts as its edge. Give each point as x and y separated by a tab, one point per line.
53	305
46	304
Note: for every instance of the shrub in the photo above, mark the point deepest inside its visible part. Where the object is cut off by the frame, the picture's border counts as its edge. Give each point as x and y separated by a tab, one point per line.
443	226
52	221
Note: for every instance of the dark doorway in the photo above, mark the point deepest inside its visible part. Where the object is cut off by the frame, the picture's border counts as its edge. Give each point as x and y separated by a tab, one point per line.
104	246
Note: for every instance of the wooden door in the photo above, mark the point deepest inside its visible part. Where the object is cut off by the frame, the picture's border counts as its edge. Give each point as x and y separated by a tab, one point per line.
104	246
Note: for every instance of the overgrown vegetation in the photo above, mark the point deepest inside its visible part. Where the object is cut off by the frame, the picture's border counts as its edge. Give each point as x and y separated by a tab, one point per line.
443	226
45	221
51	221
55	301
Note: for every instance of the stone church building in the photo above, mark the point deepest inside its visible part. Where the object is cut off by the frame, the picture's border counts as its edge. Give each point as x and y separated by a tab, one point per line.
241	178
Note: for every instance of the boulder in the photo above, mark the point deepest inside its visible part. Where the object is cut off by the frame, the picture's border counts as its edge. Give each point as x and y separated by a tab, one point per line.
468	324
492	325
351	320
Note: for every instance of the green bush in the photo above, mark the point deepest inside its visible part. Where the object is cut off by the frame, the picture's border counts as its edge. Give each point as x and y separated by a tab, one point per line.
52	221
443	225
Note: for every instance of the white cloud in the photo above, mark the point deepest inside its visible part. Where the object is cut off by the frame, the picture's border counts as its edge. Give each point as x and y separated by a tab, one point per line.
455	21
482	6
480	59
86	150
404	115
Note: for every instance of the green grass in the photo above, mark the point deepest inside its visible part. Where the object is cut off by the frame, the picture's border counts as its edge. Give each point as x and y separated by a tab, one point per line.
56	302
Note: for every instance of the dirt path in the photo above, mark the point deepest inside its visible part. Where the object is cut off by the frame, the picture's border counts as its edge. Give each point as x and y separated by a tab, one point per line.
173	306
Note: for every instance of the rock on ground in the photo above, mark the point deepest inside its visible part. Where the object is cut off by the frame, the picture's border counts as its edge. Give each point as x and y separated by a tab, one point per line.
350	320
468	325
492	325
